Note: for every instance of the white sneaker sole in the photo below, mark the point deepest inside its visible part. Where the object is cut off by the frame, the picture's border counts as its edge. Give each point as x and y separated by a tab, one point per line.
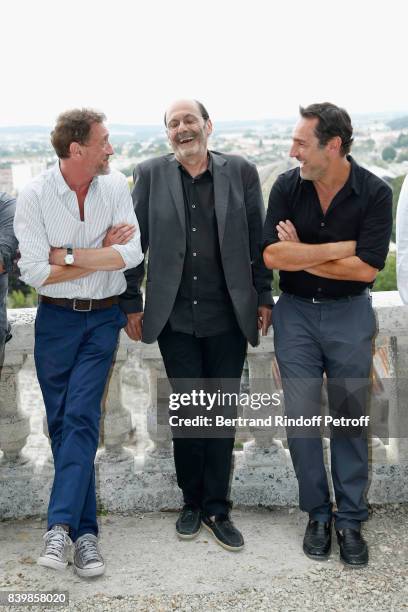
52	563
91	572
231	548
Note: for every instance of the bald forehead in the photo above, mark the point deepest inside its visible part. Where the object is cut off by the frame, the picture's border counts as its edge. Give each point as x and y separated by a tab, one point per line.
184	107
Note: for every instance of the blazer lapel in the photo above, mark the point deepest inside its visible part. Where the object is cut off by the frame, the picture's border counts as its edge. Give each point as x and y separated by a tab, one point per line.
221	192
176	189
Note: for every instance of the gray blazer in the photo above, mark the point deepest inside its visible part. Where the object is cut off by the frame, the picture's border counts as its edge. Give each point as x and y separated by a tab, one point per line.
159	206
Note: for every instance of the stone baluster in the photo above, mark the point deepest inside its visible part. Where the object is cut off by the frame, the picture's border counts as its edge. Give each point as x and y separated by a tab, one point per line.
401	425
159	457
264	449
381	406
116	422
14	425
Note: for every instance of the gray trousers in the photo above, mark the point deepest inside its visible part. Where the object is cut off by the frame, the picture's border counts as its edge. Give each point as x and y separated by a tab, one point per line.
335	338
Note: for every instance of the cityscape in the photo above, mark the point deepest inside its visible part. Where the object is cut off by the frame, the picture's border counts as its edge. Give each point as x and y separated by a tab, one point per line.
380	145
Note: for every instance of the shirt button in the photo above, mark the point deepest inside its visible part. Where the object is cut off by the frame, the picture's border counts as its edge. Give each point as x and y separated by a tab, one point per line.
194	229
319	289
195	302
194	254
195	277
322	224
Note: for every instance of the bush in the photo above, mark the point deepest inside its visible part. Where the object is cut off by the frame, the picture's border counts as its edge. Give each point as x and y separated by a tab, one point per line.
387	279
389	153
18	299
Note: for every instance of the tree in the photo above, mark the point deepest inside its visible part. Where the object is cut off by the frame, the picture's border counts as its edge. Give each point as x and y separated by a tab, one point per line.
396	185
387	279
402	141
389	153
398	124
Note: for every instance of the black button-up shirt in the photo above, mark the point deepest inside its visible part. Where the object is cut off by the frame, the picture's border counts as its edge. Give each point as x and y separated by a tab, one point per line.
361	211
203	306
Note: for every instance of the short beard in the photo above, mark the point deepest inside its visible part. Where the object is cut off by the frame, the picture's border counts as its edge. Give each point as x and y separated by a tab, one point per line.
102	170
191	152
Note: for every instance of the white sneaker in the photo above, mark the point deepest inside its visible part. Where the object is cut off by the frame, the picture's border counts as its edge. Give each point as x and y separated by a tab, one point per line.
56	548
88	561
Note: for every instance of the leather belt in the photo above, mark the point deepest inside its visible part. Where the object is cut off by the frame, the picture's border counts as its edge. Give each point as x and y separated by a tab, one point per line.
79	304
325	299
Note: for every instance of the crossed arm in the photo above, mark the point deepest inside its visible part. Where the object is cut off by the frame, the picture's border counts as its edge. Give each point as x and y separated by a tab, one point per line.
335	260
90	260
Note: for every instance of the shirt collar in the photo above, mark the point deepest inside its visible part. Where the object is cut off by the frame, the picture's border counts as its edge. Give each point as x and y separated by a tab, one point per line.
62	186
353	178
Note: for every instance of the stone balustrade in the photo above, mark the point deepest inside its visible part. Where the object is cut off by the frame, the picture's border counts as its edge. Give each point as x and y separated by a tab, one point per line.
134	463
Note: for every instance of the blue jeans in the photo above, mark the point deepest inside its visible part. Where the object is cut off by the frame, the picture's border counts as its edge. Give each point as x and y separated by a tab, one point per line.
73	355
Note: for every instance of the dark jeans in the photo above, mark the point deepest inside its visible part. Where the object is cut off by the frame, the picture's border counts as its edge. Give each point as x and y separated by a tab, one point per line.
73	355
203	465
333	338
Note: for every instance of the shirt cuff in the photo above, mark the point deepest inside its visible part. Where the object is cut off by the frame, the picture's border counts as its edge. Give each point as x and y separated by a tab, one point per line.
131	306
268	242
373	260
36	278
130	256
266	299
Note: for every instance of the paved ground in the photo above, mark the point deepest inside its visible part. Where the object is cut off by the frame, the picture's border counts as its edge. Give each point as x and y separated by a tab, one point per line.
149	569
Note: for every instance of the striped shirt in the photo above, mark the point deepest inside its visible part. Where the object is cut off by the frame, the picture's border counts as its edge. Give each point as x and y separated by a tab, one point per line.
47	214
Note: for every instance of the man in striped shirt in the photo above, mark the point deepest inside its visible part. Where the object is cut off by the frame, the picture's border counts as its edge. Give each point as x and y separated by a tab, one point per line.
78	233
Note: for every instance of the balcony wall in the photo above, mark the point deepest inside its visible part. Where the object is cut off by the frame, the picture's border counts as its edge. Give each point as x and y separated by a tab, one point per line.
134	462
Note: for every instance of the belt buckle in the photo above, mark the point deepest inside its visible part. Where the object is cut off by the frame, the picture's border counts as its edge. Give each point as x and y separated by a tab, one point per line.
82	309
316	301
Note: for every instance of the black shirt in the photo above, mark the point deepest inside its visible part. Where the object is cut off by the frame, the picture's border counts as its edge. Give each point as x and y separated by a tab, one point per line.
361	211
203	306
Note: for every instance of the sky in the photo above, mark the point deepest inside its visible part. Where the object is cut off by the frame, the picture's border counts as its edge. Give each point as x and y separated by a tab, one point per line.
252	59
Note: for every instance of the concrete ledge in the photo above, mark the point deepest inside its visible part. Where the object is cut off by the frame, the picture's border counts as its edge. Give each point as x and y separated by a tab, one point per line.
123	486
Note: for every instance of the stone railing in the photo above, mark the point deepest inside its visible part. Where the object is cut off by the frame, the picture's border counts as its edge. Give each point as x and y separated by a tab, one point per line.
134	462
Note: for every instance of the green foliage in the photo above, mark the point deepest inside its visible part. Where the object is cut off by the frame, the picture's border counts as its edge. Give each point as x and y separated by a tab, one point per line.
387	279
402	141
18	299
364	145
398	124
396	185
128	171
134	150
389	153
403	156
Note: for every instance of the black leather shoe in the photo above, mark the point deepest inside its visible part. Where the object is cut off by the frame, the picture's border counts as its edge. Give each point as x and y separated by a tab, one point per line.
188	523
224	531
317	540
353	547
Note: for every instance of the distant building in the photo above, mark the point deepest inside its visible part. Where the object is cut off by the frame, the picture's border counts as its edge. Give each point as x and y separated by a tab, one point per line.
23	173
